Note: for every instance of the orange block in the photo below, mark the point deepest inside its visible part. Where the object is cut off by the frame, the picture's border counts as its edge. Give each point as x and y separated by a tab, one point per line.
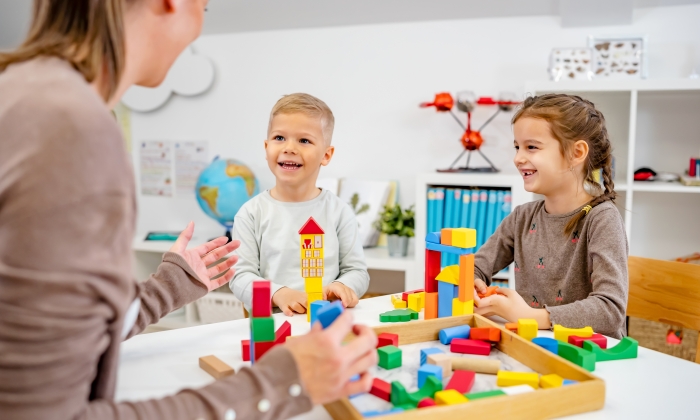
512	326
491	290
446	236
431	304
485	334
466	277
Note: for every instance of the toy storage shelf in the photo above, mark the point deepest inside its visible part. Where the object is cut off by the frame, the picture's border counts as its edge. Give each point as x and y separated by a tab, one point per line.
428	180
655	124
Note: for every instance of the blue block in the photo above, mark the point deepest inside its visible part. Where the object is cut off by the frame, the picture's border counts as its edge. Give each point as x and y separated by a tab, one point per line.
424	353
448	249
448	334
446	292
314	307
328	313
433	237
569	382
378	413
547	343
252	349
428	370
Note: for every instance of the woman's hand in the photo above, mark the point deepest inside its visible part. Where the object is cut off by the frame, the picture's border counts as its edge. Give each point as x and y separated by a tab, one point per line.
326	365
205	255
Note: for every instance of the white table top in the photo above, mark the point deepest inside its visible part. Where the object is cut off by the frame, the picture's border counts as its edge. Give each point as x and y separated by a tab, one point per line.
154	365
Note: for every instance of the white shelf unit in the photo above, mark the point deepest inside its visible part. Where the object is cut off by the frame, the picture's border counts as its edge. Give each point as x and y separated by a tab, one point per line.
425	181
655	124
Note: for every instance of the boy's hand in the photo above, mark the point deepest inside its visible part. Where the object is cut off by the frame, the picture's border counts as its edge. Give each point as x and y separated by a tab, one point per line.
480	287
508	304
338	290
290	301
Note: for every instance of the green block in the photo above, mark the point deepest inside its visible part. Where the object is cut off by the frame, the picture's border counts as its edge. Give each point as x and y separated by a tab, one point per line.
401	398
625	349
407	407
398	315
399	395
577	355
389	357
262	329
485	394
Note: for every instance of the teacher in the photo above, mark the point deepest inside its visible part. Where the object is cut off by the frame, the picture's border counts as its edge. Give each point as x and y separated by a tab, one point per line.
67	216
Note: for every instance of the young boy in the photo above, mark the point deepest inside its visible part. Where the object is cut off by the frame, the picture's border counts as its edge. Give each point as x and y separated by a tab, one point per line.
298	143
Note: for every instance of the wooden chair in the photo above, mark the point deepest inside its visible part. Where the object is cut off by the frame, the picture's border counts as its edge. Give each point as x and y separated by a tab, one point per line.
665	291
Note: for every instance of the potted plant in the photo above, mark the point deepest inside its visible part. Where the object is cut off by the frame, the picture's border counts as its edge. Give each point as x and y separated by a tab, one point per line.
398	224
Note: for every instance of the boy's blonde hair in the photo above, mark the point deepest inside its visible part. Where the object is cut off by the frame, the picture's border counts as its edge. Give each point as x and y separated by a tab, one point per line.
309	106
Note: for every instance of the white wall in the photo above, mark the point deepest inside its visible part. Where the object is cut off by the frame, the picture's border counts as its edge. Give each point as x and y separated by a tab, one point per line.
373	77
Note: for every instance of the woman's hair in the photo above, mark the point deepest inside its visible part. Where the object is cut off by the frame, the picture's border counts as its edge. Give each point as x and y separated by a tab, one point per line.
89	34
573	118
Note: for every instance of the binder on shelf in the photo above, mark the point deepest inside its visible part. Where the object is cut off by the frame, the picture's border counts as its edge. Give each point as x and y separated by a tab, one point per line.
466	200
430	209
456	215
449	207
474	211
491	214
439	208
499	209
481	219
507	201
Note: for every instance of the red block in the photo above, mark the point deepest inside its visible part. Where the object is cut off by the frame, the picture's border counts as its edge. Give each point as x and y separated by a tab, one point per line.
469	346
245	350
599	339
485	334
426	402
432	269
461	381
387	339
381	389
404	296
261	299
284	331
263	347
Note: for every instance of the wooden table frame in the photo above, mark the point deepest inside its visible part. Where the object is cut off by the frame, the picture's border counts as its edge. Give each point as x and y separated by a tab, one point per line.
586	395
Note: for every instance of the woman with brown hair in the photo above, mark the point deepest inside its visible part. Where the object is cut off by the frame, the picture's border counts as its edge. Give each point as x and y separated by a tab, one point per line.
67	216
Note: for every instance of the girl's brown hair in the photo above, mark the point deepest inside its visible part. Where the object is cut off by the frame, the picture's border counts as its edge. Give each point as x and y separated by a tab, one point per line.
89	34
573	118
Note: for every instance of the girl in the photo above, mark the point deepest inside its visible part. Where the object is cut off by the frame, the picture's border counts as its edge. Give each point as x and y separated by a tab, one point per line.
570	249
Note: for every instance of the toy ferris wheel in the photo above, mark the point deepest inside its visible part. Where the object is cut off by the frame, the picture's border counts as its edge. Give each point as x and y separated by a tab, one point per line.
471	139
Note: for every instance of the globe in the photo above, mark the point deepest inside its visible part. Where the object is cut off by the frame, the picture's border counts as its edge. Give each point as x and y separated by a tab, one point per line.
223	187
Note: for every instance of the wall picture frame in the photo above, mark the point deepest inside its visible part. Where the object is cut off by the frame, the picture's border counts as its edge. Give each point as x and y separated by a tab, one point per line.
571	64
619	57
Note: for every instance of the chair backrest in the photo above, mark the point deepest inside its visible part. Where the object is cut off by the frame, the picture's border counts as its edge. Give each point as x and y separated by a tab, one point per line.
665	291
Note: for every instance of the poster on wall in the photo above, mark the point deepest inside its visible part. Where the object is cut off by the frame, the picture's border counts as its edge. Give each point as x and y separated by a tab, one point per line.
191	157
156	168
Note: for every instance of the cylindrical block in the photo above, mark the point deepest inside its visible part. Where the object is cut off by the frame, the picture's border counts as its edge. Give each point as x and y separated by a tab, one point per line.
476	365
448	334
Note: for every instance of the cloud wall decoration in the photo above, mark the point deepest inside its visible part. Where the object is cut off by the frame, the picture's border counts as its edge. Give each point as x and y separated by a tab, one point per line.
190	75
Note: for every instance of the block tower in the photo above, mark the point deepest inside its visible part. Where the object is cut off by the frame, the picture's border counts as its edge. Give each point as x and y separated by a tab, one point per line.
263	336
311	245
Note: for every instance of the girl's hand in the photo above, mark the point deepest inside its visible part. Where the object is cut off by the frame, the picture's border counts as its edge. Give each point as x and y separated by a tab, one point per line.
207	254
480	287
508	304
290	301
338	290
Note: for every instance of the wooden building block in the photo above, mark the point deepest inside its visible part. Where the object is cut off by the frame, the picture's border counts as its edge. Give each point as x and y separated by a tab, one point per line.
460	308
400	305
433	237
626	349
245	350
461	381
443	360
398	315
547	343
400	397
262	329
447	249
562	333
490	291
485	334
551	381
404	295
314	307
466	277
446	335
446	293
512	326
215	367
527	328
432	269
389	357
428	370
463	238
421	301
478	365
381	389
446	236
414	302
467	346
387	339
313	285
284	331
310	299
599	339
431	305
328	313
424	353
506	378
517	389
449	274
426	402
262	308
485	394
449	397
584	358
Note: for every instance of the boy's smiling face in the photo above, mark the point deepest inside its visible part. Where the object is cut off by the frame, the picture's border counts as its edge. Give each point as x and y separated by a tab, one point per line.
296	149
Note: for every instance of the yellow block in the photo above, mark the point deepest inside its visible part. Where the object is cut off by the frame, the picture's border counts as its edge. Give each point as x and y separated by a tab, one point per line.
563	333
462	308
421	300
446	236
551	381
527	328
397	302
464	237
414	302
449	274
449	397
505	378
313	285
311	297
